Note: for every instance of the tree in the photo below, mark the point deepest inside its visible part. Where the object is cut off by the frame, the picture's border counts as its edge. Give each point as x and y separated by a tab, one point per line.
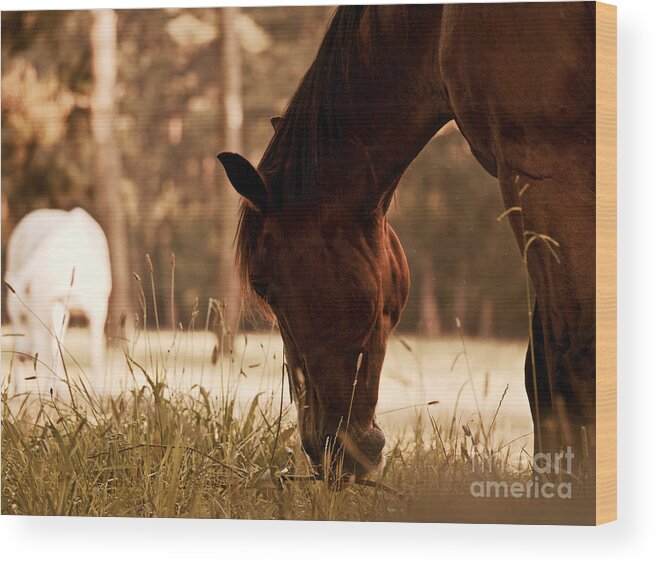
228	287
107	161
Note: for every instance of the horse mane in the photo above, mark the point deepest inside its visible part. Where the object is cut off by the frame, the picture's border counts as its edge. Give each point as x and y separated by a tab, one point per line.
317	114
315	121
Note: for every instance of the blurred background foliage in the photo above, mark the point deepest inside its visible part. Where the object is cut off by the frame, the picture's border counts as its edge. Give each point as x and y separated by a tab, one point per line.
169	122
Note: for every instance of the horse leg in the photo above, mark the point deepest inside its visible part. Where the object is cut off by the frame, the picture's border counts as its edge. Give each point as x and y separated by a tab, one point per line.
97	343
571	372
537	386
59	317
556	233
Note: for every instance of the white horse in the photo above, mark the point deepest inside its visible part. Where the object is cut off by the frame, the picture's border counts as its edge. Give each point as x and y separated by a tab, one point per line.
57	263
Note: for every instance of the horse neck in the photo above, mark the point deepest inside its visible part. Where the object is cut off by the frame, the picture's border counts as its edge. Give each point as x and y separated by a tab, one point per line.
406	103
371	101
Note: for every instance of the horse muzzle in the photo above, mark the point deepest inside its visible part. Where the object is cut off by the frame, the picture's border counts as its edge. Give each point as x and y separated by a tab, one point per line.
341	456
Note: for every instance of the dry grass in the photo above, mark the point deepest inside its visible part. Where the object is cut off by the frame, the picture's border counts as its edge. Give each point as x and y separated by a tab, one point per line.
153	451
217	439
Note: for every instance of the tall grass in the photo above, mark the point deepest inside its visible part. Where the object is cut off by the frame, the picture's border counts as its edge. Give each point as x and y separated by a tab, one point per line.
152	451
155	450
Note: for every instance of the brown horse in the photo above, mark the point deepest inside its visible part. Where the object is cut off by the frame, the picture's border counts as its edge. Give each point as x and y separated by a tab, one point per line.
314	243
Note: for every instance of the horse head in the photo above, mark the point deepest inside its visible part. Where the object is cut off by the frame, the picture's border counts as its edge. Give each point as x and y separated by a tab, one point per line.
334	276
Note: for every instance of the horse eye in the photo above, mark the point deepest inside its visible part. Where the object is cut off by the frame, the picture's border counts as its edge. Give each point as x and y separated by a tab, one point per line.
260	289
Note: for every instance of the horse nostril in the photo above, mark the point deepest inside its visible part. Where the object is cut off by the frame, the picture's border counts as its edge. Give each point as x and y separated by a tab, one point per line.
359	453
372	442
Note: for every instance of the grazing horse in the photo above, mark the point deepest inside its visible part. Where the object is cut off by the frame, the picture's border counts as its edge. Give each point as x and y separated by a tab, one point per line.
314	243
58	263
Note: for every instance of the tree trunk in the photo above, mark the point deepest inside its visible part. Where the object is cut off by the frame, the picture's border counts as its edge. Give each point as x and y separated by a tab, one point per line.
429	317
486	322
166	262
107	190
460	299
228	284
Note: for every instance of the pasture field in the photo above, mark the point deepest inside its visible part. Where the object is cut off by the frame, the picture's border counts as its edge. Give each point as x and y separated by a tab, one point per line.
181	425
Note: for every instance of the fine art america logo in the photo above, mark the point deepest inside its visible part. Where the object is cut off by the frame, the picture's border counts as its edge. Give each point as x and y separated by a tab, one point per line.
546	466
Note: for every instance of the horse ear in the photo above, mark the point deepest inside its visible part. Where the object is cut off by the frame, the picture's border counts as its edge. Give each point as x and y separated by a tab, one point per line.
275	122
245	179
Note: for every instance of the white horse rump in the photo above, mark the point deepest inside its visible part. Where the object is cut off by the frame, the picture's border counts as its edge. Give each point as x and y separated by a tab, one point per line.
57	263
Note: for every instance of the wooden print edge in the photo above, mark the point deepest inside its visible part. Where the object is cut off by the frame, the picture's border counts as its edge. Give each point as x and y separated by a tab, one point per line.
606	263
